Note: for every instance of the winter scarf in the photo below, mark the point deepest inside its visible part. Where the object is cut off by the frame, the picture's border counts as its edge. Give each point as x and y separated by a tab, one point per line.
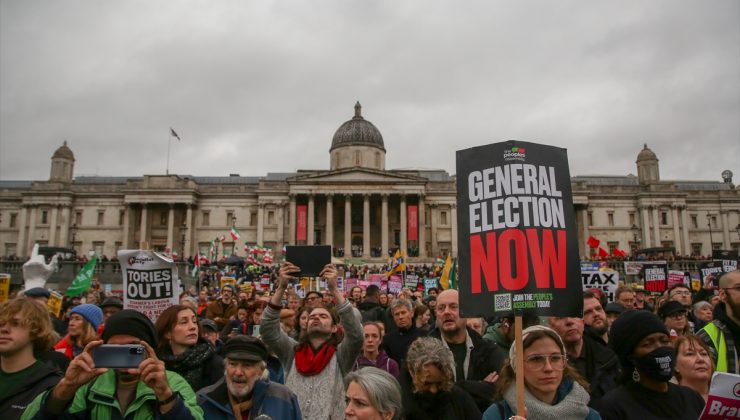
573	405
191	364
310	362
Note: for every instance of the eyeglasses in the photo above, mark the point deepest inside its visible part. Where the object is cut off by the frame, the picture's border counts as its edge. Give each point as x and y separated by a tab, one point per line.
735	288
538	361
677	315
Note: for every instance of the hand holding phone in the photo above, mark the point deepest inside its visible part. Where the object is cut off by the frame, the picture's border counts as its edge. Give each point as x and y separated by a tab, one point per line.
120	356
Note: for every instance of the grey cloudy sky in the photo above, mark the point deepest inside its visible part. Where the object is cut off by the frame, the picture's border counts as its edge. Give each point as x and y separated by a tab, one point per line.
260	86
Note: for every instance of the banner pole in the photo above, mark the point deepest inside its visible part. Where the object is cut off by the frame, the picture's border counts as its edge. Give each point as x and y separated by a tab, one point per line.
519	365
169	140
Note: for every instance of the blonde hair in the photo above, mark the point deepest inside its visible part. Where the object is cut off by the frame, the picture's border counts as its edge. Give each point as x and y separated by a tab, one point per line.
33	316
88	334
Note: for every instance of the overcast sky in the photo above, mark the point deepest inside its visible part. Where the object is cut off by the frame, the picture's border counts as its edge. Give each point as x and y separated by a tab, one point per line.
261	86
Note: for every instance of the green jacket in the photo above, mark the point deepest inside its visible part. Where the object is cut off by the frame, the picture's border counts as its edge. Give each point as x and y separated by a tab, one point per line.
493	335
96	400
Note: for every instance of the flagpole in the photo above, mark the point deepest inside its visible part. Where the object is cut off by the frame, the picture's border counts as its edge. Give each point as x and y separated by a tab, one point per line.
169	141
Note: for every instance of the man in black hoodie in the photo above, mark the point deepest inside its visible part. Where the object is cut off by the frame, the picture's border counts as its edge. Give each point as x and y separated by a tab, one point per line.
370	307
24	327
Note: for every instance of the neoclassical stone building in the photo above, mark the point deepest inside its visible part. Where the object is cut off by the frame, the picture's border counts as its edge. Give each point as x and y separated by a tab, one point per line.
358	206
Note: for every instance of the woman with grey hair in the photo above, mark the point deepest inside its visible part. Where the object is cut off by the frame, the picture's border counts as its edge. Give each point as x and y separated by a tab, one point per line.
428	385
703	314
372	393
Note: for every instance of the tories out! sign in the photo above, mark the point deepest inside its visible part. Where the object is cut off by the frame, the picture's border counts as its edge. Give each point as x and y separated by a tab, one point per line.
518	248
149	282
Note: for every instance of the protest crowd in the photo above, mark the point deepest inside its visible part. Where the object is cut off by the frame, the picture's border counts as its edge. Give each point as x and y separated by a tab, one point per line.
272	349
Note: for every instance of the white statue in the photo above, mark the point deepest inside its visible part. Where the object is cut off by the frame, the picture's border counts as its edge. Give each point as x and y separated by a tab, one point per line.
36	271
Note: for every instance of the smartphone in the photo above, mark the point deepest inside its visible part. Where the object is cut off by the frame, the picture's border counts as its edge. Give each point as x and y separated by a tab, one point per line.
256	331
311	259
235	330
118	355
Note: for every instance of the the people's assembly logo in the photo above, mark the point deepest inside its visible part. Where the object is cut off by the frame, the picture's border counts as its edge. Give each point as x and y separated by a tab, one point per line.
515	153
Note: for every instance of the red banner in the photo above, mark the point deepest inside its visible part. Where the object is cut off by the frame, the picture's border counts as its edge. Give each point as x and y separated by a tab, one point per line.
301	222
413	216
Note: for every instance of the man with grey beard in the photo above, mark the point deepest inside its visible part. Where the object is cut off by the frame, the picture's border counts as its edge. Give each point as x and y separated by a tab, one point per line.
245	392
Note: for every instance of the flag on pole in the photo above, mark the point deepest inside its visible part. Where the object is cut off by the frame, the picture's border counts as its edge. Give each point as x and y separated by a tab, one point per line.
196	267
222	238
593	242
174	134
234	233
619	253
444	280
83	280
397	264
603	253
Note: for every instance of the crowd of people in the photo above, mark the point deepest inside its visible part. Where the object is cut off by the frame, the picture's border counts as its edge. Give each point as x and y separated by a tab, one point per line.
363	353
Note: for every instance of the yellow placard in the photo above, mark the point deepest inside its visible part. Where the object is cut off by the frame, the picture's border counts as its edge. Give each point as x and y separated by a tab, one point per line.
227	280
55	303
246	287
4	286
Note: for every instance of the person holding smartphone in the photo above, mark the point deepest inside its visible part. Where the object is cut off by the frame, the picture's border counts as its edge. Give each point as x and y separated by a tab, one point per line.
315	366
147	391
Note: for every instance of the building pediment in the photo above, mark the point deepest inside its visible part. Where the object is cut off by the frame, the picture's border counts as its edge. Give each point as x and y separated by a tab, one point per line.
355	175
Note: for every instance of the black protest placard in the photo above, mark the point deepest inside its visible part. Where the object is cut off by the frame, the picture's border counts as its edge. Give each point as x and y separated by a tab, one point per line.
518	247
655	276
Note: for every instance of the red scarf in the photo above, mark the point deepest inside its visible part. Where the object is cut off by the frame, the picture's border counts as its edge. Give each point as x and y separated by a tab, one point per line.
310	362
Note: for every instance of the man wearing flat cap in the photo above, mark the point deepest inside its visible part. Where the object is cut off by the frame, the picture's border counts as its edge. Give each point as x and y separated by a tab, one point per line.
146	392
245	392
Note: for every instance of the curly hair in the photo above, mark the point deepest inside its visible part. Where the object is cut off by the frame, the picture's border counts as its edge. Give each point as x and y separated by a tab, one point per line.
33	316
431	351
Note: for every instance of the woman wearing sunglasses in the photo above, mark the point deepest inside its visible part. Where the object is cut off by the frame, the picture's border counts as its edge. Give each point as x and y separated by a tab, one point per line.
552	389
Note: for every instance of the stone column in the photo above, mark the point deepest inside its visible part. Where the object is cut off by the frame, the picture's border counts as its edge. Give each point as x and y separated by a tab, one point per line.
454	229
280	216
365	225
126	226
433	215
64	231
188	232
384	226
260	224
330	221
656	227
348	226
645	222
686	243
586	232
422	227
144	223
171	227
21	249
292	221
404	226
676	233
725	229
310	225
31	230
53	227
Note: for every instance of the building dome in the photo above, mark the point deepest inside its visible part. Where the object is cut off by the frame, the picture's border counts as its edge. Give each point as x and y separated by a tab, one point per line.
64	152
646	154
357	132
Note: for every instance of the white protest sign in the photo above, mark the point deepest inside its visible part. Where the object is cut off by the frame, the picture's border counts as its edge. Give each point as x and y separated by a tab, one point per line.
723	401
606	281
149	282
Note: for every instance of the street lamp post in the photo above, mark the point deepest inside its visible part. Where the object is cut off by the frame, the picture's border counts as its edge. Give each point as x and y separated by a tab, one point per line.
73	237
182	242
711	240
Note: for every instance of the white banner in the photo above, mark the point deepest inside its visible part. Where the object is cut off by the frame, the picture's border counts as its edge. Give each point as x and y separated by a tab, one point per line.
606	281
149	282
724	397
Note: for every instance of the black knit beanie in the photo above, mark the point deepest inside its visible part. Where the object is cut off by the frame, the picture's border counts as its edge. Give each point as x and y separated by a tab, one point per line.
130	322
629	329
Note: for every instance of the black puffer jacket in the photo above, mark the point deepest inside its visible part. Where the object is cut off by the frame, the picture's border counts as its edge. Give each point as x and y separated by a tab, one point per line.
486	357
39	380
